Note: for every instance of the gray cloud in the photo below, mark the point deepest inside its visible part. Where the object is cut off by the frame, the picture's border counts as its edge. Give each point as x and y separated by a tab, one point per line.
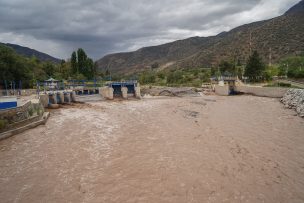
105	26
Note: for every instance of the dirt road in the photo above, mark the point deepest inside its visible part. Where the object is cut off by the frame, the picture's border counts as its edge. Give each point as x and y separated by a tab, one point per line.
198	149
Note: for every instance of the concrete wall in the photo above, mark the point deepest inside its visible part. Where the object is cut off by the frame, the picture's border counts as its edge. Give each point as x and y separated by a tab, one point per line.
274	92
222	90
23	92
11	118
31	123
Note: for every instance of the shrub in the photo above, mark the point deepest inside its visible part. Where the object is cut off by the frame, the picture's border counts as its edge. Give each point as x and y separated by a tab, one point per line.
3	123
31	111
147	77
282	84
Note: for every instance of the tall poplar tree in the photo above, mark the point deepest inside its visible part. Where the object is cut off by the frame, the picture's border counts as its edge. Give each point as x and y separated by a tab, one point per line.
74	63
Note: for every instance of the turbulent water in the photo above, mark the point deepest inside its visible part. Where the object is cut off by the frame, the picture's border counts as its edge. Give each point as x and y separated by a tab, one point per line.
193	149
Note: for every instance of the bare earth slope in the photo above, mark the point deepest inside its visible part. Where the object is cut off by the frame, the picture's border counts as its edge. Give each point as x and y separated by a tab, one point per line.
199	149
274	38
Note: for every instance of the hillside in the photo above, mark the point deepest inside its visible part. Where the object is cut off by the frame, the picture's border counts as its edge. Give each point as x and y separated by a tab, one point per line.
27	52
273	39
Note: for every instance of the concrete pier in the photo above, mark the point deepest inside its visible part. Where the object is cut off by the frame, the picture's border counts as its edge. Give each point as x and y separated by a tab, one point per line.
67	97
73	96
52	98
124	92
44	99
60	97
137	92
106	92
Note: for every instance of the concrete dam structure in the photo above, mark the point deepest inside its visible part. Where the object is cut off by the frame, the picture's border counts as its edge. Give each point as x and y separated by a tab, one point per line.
125	90
57	97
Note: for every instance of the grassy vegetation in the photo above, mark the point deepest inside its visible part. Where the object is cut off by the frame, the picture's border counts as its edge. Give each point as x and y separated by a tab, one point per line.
292	67
3	124
184	77
281	84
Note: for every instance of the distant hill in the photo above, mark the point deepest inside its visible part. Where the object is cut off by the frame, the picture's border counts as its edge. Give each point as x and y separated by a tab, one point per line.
27	52
273	39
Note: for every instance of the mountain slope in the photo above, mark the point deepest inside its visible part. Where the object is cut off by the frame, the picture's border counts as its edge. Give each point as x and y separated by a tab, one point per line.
273	39
298	8
27	52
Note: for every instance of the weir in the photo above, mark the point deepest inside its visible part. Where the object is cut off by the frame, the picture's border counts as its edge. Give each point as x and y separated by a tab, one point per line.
125	90
57	97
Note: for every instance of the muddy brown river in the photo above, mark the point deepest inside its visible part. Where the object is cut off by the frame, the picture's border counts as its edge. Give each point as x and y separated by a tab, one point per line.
191	149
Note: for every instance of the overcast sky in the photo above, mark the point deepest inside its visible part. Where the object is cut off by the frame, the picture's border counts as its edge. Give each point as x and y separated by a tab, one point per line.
57	27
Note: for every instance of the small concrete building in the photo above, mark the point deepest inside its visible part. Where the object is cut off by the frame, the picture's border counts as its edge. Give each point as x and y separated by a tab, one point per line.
51	84
225	85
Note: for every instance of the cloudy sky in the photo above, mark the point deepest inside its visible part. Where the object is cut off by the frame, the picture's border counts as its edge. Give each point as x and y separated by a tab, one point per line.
58	27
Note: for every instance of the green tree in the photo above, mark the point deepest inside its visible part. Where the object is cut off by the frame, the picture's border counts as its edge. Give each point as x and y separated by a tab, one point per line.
292	66
14	67
82	64
49	69
255	68
74	63
65	69
82	60
175	77
227	67
89	69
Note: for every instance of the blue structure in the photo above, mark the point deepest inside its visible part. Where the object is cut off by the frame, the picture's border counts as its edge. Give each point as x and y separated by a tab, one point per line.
8	102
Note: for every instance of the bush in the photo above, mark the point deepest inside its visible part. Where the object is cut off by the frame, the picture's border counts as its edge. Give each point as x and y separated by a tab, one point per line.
147	77
31	111
282	84
175	77
3	124
161	75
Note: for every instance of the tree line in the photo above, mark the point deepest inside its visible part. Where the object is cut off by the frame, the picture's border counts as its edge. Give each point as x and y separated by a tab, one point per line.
15	67
255	70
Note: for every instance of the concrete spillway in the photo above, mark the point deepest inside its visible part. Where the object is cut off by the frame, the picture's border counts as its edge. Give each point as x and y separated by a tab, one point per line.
57	97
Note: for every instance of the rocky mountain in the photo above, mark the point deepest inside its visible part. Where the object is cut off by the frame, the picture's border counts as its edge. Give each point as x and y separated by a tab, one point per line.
27	52
273	39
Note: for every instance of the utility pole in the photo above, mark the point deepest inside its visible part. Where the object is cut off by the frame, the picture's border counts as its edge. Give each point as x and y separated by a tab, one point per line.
270	57
286	71
77	63
250	43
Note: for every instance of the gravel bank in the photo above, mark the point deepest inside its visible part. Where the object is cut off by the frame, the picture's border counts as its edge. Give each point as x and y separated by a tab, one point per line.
294	99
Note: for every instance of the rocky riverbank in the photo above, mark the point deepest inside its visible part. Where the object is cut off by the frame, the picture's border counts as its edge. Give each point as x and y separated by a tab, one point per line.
294	99
169	91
